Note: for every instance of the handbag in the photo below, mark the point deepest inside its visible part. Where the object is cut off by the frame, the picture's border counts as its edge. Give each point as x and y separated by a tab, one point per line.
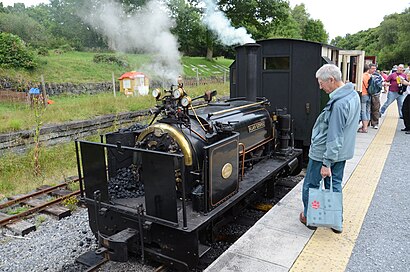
325	207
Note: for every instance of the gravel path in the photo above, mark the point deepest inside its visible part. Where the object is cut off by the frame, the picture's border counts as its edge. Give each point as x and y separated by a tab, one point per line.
384	241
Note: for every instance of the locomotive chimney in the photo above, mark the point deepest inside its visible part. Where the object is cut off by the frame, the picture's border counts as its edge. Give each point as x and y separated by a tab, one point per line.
252	75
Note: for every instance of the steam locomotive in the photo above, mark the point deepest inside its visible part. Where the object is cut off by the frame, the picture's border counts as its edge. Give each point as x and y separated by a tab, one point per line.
194	166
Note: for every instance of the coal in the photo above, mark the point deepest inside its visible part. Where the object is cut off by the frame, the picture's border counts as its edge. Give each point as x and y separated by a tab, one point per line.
134	127
125	184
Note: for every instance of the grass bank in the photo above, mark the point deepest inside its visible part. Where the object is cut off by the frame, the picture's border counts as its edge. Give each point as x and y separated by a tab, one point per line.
58	162
19	116
79	67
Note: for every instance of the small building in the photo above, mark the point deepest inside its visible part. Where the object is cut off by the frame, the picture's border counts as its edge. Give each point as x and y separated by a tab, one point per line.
134	83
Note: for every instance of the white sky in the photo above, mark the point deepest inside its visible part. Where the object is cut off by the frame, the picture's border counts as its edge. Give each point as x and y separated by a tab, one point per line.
339	16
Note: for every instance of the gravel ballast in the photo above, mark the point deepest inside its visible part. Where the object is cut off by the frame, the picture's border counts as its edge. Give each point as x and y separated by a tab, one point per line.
54	246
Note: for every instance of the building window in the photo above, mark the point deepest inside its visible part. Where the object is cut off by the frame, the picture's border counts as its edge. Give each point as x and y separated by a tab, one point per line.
276	63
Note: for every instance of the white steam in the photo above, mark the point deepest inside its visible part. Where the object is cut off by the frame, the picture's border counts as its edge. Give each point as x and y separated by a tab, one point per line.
216	21
147	30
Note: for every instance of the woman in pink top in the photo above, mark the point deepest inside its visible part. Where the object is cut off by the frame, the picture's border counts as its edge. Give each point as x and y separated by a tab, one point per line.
394	94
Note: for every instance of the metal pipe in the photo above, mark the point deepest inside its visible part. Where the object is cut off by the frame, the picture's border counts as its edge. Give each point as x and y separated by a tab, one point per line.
243	160
184	217
78	168
236	108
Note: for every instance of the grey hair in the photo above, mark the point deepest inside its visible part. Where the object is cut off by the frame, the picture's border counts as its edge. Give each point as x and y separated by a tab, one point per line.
328	71
401	65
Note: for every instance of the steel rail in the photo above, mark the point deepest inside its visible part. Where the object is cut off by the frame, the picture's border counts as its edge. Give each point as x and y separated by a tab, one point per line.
16	217
17	200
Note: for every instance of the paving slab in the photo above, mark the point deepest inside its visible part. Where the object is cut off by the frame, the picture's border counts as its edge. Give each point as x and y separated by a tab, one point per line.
236	262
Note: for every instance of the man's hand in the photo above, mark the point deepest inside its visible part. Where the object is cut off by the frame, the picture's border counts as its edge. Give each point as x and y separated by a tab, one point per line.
325	172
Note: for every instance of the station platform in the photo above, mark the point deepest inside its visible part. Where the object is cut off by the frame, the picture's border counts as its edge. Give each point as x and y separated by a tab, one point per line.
376	209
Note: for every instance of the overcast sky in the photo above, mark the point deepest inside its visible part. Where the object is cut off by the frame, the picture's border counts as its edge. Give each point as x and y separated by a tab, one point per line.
350	16
339	16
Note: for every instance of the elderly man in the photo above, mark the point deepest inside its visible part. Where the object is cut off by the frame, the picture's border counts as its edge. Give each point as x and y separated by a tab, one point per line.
333	135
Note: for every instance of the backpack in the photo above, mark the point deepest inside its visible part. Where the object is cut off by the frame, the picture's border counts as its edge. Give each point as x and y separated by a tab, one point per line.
375	84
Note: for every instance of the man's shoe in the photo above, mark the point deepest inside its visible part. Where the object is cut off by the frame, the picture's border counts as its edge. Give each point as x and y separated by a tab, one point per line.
303	220
376	127
405	129
337	231
401	117
408	132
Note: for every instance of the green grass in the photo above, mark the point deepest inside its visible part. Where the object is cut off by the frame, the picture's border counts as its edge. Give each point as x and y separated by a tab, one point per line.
59	162
78	67
205	67
16	170
19	116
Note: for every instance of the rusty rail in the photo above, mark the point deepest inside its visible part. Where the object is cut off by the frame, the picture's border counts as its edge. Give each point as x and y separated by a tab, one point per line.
16	217
17	200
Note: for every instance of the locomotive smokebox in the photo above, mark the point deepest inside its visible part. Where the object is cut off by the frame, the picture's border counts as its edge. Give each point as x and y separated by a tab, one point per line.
248	56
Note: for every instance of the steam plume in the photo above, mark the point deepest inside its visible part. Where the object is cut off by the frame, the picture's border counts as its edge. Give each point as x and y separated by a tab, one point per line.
216	21
147	30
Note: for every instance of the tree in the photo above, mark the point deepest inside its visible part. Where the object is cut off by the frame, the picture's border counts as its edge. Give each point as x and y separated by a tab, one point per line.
28	29
189	29
301	16
315	31
258	17
388	41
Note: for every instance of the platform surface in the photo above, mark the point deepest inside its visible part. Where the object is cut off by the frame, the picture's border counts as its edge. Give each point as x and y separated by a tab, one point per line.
376	223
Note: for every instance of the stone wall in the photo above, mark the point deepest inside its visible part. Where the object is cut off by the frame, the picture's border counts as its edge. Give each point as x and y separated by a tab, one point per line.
94	88
54	134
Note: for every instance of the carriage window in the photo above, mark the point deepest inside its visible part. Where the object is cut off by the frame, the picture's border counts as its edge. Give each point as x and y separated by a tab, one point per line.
276	63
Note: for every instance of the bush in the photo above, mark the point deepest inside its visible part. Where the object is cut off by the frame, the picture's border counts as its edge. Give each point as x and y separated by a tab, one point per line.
66	48
42	51
103	58
14	53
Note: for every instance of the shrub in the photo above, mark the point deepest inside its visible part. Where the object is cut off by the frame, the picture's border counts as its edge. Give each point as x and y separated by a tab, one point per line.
42	51
103	58
66	48
14	53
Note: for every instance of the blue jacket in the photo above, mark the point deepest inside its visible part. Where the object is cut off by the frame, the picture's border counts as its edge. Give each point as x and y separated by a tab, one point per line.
334	133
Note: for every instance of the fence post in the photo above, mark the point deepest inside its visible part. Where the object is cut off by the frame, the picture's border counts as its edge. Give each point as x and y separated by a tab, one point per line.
43	87
113	84
197	76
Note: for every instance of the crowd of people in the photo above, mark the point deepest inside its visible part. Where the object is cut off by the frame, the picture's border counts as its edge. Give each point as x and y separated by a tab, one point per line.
397	86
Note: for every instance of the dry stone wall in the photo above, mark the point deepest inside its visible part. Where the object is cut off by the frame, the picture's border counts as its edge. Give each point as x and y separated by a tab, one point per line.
21	141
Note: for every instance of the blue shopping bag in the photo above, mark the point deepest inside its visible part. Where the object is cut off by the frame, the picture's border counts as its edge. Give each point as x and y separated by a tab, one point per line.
325	207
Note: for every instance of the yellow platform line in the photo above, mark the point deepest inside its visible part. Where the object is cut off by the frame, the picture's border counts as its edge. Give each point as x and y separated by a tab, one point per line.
327	251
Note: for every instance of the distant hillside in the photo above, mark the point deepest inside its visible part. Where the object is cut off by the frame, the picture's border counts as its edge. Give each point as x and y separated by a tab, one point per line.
79	67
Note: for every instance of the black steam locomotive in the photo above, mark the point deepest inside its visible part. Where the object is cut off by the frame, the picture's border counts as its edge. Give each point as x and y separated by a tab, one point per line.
191	168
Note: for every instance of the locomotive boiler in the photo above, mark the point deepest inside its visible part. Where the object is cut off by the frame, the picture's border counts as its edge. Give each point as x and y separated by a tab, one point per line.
190	169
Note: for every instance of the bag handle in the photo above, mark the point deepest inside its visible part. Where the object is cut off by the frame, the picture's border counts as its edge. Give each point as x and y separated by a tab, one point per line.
322	184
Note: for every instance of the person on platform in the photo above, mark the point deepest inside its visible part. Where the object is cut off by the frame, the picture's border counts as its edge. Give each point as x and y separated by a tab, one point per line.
365	100
333	135
375	97
395	80
406	108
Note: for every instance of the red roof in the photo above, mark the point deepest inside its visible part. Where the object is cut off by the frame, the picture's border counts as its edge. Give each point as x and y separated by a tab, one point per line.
131	75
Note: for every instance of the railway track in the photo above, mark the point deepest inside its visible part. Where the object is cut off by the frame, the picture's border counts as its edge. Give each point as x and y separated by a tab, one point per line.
36	202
